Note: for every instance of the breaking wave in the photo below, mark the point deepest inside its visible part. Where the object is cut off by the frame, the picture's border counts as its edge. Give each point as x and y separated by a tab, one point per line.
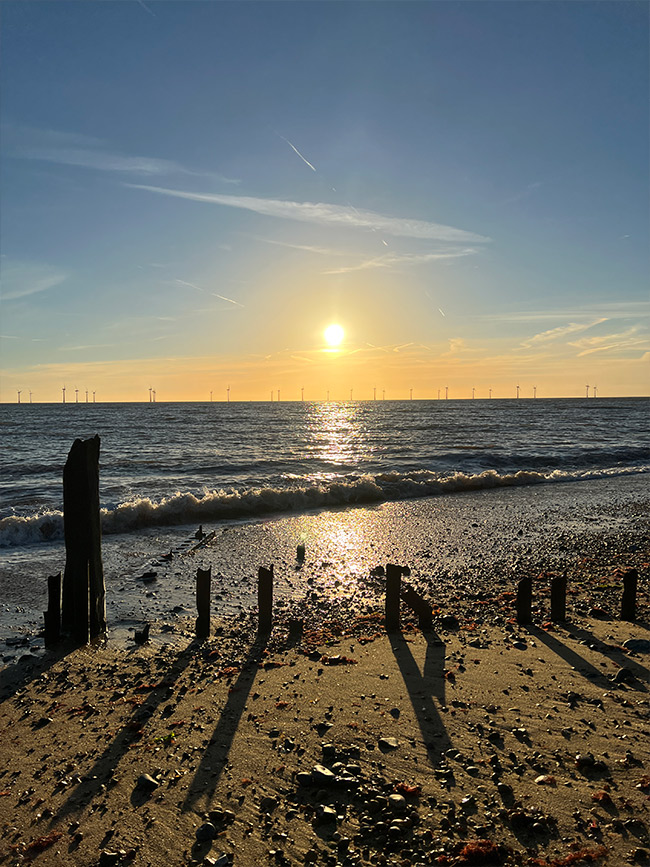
303	495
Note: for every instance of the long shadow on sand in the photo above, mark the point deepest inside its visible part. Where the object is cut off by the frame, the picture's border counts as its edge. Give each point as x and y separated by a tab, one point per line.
215	756
423	686
586	669
640	672
101	772
28	668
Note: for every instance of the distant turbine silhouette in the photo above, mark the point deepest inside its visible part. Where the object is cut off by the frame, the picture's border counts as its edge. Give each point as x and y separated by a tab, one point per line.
534	391
438	394
383	394
595	391
86	395
350	394
374	393
587	387
76	395
446	392
19	393
490	394
30	396
517	392
228	394
63	390
411	394
93	397
473	392
302	393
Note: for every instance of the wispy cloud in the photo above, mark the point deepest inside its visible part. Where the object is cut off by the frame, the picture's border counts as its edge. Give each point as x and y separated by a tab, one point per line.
624	309
620	342
560	332
322	213
70	149
307	248
20	279
295	150
390	261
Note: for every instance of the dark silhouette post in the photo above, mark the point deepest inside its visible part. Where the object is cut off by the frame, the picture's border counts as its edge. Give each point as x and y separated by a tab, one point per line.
558	598
420	606
84	594
203	581
52	616
265	600
628	600
525	600
393	584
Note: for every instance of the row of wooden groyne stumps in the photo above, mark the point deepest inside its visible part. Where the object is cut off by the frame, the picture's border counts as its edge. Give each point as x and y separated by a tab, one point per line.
77	606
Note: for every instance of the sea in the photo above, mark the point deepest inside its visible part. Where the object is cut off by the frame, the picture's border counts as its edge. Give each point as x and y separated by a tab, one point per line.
174	464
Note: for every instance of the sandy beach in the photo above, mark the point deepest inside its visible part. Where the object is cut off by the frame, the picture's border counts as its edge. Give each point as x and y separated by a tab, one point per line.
478	742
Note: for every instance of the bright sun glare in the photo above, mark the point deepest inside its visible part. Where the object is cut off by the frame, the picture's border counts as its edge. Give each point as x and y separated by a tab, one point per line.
334	335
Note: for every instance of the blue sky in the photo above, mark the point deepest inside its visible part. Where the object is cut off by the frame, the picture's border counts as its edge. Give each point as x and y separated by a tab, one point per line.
192	191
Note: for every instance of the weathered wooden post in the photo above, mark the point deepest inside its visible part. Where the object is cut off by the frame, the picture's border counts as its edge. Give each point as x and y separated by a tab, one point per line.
393	582
52	616
265	600
296	627
558	598
628	600
203	581
84	596
300	553
420	606
525	600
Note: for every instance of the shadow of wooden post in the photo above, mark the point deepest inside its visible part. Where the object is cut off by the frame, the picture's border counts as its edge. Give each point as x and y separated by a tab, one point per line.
558	598
628	599
265	600
83	613
420	606
52	616
203	582
393	587
524	601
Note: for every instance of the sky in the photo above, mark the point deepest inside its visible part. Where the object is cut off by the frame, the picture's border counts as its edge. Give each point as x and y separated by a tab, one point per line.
193	191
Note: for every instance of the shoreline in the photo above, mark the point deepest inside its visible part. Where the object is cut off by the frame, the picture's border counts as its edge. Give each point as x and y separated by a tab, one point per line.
470	542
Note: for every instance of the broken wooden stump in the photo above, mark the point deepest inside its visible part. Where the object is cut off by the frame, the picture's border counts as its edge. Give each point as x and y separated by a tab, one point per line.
393	587
52	616
420	606
265	600
524	601
300	553
558	598
628	599
203	582
83	613
296	628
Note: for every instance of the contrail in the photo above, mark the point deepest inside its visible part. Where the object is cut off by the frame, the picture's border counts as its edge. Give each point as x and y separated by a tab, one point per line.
146	8
295	149
229	300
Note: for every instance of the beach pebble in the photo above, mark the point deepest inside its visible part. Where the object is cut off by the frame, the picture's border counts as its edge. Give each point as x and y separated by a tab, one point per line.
637	645
623	675
268	804
321	775
205	832
107	858
146	783
388	743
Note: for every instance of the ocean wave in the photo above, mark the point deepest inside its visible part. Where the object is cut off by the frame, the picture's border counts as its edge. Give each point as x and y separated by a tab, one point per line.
302	495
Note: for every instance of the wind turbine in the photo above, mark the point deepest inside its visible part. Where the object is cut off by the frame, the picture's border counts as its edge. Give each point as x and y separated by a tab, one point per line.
411	394
76	395
534	391
490	394
446	392
302	393
595	391
517	392
383	394
438	394
63	390
93	397
30	396
228	394
374	393
19	397
350	395
86	395
587	387
473	391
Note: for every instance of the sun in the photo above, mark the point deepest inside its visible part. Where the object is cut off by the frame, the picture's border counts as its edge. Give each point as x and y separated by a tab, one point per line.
334	335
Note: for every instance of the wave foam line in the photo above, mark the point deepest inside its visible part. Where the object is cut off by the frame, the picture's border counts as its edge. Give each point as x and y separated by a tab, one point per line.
187	508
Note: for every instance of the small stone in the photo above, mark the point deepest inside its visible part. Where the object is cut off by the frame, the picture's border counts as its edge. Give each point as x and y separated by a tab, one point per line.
107	858
637	645
623	675
147	783
397	803
206	832
325	813
268	804
388	743
322	776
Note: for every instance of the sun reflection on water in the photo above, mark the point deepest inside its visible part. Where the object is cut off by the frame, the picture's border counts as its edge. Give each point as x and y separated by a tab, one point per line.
336	434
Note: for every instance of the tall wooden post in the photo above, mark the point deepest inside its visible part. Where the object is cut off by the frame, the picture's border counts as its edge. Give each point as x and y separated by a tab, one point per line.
203	581
265	600
84	594
53	614
558	598
525	600
393	582
628	600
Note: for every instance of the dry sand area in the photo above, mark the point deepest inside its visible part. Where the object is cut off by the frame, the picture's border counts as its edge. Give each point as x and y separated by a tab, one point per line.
480	742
